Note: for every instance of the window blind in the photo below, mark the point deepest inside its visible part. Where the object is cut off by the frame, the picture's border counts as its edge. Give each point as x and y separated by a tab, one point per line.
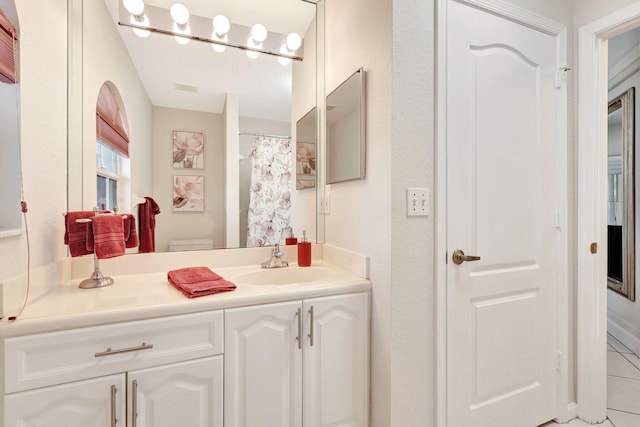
8	37
109	124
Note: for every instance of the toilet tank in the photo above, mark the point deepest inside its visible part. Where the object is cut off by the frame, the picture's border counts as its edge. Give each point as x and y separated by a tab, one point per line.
190	245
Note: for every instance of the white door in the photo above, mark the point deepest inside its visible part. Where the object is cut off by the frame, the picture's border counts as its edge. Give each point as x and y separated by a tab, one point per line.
263	366
98	402
502	142
185	394
336	362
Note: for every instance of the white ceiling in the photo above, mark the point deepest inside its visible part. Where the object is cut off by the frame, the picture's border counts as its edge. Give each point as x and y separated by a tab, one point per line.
263	85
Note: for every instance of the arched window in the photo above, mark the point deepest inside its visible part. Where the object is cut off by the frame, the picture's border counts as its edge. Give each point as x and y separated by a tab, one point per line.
112	150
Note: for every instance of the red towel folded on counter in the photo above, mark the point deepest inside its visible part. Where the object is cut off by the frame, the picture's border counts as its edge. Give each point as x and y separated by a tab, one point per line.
198	281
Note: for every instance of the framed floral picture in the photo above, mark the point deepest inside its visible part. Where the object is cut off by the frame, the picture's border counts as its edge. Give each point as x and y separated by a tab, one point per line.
305	165
188	150
188	193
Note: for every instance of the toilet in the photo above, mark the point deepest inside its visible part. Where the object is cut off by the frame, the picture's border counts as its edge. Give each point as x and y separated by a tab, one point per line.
190	245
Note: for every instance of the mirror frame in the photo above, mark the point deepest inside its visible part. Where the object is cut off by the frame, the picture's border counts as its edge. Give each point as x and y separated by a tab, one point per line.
626	287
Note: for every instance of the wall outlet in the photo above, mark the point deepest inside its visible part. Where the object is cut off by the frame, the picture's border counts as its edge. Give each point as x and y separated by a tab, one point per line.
418	202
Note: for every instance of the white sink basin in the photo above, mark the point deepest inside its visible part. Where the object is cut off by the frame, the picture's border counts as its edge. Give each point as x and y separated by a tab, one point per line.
285	276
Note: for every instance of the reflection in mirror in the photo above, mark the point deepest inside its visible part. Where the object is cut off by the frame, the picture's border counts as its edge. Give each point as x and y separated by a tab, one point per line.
306	149
10	175
226	98
112	151
621	195
346	130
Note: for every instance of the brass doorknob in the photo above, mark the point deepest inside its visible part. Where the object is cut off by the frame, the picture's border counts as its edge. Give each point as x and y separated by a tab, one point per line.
459	257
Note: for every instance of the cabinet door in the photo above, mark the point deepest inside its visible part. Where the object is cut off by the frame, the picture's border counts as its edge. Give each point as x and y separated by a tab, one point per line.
336	361
185	394
98	402
263	371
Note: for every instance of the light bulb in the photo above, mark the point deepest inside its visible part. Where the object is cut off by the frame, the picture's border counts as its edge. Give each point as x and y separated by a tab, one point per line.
134	7
180	13
294	41
283	60
144	21
218	47
252	43
181	29
221	24
259	33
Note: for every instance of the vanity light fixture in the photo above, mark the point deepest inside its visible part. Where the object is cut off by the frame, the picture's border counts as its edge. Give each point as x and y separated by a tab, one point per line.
140	20
293	42
180	16
178	23
136	9
258	35
221	27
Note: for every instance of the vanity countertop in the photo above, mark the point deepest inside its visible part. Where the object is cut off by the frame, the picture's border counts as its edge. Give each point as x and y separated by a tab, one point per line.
144	296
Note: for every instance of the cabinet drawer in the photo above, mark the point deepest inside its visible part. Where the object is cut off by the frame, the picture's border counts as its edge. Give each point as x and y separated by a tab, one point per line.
58	357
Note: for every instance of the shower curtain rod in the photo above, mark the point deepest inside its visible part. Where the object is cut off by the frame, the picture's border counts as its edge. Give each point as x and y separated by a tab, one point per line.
265	135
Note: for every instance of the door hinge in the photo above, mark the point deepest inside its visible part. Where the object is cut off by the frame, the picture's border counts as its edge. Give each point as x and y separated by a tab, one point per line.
594	248
561	77
559	361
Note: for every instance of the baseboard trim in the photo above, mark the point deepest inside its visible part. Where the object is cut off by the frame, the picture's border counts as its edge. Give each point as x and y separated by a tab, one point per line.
624	332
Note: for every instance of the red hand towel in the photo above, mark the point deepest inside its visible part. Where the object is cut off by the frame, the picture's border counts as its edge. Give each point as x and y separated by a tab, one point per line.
130	233
198	281
75	233
147	217
108	236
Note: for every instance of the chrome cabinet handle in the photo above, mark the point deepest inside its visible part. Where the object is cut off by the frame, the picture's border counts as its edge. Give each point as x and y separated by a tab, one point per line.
114	421
299	337
134	403
110	352
459	257
311	326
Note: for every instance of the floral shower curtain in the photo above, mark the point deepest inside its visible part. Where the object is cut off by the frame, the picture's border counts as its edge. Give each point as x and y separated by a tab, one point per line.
270	193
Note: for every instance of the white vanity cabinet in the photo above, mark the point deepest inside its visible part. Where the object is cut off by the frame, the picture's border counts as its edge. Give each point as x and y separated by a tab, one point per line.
182	394
301	363
172	368
98	402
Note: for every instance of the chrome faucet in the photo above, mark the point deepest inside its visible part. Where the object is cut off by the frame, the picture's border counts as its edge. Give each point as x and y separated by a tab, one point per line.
276	260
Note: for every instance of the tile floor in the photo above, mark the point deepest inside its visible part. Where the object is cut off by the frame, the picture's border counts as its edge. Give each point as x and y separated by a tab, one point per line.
623	388
623	385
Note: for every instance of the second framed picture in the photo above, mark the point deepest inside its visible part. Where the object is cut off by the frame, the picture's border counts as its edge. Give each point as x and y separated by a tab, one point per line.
188	193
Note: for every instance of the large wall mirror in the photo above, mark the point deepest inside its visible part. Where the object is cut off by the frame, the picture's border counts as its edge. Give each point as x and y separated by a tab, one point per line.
10	174
345	136
621	195
209	105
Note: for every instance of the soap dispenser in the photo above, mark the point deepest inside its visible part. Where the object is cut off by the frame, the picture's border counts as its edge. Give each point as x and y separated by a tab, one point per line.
304	251
291	240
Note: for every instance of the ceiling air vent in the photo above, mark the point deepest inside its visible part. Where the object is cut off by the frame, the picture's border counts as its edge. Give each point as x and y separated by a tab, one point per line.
186	87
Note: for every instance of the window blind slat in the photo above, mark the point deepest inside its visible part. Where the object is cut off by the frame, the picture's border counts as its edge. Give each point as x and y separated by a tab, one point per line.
111	136
7	55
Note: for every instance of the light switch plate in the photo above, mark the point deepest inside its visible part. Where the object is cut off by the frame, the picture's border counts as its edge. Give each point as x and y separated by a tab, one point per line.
418	202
